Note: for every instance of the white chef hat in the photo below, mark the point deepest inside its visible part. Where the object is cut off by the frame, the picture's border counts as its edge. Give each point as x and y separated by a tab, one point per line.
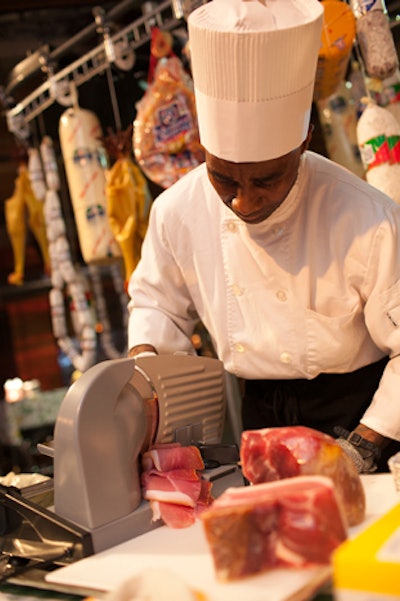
254	65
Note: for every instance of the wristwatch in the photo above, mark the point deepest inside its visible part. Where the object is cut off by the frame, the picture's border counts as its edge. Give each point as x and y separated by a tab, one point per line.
363	445
368	451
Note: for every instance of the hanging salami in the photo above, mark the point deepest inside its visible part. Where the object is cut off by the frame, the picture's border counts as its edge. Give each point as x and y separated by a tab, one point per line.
375	38
388	94
378	136
85	165
65	276
36	175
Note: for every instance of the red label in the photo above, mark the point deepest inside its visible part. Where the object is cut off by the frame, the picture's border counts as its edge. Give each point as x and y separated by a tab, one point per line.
394	145
375	152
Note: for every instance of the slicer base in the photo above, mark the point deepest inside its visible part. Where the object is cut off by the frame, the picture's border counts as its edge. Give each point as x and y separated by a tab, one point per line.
140	521
136	523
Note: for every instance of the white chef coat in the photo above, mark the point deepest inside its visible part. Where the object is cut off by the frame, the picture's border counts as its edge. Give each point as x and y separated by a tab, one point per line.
314	288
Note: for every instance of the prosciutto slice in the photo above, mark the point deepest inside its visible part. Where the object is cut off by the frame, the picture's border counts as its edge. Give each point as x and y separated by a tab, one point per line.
294	522
172	482
175	486
271	454
173	515
172	457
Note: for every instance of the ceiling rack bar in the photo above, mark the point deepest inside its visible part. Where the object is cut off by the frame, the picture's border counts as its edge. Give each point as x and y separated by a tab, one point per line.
89	65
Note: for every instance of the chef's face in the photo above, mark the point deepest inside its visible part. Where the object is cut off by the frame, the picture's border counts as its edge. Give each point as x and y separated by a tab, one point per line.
253	191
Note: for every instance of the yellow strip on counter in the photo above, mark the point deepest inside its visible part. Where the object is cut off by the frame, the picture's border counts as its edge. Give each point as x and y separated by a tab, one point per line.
370	562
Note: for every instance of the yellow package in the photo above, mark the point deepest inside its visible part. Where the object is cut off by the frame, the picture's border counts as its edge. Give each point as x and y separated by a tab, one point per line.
337	39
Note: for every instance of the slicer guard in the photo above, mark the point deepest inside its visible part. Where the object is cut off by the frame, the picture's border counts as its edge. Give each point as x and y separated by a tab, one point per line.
103	425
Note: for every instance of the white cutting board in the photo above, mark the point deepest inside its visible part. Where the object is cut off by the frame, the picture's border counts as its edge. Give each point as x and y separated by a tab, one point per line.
185	552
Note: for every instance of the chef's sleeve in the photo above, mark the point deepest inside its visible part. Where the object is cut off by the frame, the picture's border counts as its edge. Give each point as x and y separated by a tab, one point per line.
382	316
161	311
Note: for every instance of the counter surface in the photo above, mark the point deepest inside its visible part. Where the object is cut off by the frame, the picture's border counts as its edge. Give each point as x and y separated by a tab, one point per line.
186	553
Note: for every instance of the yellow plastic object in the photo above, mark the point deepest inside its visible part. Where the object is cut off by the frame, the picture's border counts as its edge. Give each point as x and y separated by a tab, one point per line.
22	202
368	566
337	38
128	205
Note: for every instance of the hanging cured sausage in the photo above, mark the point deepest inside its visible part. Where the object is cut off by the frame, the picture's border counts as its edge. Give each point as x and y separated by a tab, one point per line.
85	165
36	176
388	94
64	275
378	136
375	38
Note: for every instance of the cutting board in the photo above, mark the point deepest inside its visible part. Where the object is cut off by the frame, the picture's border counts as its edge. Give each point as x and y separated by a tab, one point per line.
185	552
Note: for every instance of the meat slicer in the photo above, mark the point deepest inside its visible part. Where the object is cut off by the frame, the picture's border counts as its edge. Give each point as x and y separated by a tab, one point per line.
113	413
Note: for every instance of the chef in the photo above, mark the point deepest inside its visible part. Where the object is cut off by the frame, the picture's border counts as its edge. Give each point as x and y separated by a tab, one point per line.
291	262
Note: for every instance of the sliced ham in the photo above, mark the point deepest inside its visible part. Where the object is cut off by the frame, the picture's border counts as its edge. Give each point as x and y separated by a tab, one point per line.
179	474
205	497
172	457
295	522
182	516
173	515
172	482
171	488
271	454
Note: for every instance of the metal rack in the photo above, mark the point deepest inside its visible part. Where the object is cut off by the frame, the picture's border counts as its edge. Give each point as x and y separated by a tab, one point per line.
58	86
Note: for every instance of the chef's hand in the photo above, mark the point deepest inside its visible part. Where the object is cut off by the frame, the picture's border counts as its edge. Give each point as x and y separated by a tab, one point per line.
142	350
363	446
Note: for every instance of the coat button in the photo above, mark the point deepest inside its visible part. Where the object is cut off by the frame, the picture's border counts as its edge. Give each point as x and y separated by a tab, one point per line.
286	357
237	290
281	295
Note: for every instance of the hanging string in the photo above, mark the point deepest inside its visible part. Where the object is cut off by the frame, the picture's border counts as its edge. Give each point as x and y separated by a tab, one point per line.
109	50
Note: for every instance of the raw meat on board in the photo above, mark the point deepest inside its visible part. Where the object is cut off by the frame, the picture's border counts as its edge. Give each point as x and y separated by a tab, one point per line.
270	454
295	522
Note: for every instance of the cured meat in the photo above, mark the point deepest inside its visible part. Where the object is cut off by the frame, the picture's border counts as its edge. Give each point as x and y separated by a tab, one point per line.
172	482
85	163
166	139
374	38
172	457
172	487
173	515
295	522
205	497
378	139
270	454
179	515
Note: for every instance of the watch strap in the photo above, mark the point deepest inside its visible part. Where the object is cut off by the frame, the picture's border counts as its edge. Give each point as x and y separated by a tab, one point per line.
364	446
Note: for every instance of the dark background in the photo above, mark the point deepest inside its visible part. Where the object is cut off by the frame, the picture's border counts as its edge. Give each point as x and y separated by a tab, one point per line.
27	345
